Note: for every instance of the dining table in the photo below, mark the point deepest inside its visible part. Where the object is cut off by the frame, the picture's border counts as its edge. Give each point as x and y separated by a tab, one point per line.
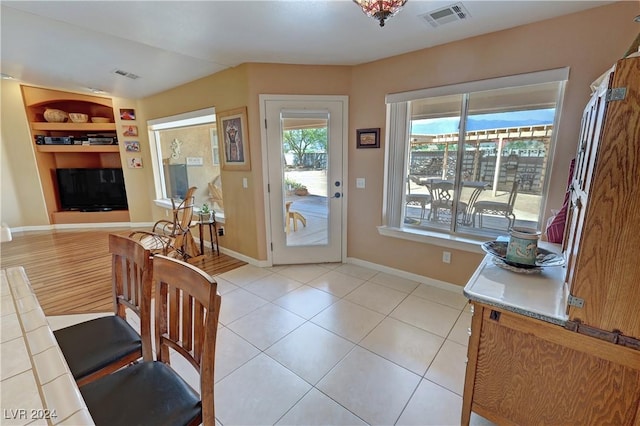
37	385
476	186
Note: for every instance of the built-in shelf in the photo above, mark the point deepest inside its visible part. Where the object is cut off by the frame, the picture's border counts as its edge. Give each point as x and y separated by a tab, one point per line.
77	148
51	157
74	127
90	217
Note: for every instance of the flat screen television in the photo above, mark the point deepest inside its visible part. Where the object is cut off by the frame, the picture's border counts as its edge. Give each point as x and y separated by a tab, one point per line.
92	189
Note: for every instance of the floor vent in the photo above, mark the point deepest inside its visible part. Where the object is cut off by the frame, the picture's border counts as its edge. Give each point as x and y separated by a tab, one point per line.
445	15
127	74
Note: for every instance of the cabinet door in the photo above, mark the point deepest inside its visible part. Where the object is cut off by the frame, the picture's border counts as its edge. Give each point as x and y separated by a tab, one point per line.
592	122
531	372
606	269
586	157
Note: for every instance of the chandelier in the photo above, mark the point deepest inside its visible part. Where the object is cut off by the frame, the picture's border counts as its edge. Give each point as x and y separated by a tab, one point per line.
380	9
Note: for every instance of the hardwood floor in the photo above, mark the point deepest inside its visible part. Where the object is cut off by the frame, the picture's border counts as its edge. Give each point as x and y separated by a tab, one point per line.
70	270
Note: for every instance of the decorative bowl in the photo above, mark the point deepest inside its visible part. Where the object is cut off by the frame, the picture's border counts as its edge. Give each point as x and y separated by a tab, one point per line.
55	115
100	120
78	117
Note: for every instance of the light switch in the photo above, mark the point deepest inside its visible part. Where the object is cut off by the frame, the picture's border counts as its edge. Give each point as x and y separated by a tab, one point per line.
360	183
245	183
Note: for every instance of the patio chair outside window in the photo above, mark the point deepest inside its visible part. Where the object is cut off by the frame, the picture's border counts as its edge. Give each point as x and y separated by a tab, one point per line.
417	199
481	208
442	199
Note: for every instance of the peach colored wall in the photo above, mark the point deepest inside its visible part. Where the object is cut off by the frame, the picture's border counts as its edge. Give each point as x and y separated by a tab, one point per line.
225	90
22	197
588	42
276	79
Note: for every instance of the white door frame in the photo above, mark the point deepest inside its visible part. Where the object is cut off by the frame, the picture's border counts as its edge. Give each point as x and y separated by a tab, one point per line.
265	163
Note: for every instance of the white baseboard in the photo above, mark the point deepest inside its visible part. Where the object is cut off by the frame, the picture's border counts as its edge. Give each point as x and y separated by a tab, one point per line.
141	225
250	260
408	275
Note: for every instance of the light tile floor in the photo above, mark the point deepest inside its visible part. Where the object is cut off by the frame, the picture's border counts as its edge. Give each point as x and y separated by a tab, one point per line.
337	344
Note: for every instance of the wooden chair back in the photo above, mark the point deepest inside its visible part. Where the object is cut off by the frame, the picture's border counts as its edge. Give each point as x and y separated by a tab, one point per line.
131	283
178	230
187	307
183	213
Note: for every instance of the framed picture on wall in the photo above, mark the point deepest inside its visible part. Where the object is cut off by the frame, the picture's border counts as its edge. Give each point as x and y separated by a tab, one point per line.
233	139
132	146
130	130
127	114
368	138
134	162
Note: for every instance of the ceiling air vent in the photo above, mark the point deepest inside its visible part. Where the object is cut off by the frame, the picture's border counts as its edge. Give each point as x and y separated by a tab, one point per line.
445	15
127	74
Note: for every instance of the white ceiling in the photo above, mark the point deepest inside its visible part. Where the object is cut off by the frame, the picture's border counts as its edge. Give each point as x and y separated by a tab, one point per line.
73	45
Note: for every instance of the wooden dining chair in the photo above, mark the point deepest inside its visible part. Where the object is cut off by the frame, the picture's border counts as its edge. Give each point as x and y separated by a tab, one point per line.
101	346
186	310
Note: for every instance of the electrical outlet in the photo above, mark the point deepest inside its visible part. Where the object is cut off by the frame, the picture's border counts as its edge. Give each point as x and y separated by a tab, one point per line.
221	231
446	257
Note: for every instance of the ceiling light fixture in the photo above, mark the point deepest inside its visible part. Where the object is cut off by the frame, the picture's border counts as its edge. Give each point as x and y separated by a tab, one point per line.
7	77
96	91
380	10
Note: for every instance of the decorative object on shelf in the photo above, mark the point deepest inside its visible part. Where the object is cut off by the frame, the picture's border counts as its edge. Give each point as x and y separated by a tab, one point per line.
233	134
78	117
55	115
130	130
523	245
127	114
380	10
100	120
132	146
368	138
543	257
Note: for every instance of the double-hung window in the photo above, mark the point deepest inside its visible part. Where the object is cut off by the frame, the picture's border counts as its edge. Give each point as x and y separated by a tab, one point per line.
472	159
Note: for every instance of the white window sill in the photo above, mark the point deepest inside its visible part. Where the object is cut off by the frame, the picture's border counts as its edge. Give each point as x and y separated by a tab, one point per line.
165	203
434	238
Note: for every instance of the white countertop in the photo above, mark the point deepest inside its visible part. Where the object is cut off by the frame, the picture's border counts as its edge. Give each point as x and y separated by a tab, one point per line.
37	386
542	295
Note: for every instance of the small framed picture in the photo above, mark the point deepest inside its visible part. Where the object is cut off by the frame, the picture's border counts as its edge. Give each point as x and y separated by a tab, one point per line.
130	130
132	146
368	138
127	114
134	162
233	139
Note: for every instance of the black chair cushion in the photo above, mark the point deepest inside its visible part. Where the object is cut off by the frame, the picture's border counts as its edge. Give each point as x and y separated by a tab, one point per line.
92	345
147	393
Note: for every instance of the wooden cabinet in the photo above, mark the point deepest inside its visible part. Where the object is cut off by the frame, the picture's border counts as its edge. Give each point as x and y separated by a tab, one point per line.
51	157
582	366
523	371
602	237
